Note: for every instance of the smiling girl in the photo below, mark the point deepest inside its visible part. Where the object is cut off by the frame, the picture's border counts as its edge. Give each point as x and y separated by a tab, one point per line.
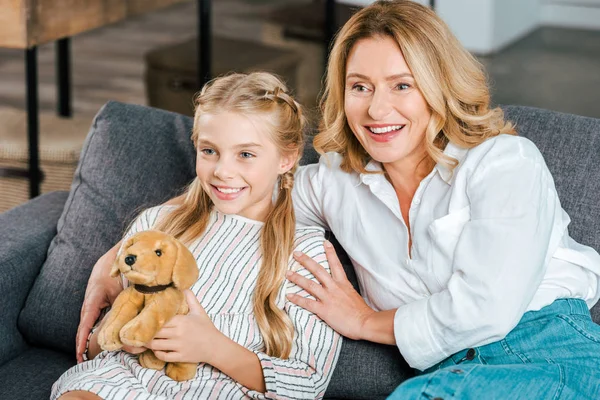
238	220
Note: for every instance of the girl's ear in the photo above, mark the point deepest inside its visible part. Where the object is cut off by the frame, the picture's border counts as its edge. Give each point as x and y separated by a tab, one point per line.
287	161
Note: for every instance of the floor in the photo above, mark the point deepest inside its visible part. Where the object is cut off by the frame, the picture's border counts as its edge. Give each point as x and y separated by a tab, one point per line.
552	68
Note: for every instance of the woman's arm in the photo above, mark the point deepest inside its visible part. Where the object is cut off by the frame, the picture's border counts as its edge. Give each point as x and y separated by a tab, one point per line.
338	303
101	292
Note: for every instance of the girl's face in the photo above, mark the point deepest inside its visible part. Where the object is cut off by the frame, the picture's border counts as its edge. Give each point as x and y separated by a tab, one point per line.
238	164
383	106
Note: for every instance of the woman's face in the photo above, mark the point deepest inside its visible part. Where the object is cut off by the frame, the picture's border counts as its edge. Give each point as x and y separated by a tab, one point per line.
383	106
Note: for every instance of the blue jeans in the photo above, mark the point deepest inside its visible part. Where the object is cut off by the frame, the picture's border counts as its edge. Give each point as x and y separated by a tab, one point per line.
553	353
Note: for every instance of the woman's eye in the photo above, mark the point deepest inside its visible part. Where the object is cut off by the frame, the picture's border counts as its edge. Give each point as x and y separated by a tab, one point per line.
245	154
403	86
158	252
208	152
359	88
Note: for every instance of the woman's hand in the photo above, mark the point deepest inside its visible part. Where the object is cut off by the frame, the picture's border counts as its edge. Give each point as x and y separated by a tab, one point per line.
337	303
187	338
101	292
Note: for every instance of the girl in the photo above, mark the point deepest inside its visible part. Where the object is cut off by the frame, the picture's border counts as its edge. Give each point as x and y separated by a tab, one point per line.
238	220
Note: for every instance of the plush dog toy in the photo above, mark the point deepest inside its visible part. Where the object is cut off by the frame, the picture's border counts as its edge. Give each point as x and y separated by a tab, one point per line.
158	267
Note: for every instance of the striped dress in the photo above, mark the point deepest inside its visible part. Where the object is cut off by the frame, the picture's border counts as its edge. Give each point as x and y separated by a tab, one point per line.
228	257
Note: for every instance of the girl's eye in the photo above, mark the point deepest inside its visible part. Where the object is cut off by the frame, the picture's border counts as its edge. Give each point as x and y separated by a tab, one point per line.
208	152
158	252
403	86
245	154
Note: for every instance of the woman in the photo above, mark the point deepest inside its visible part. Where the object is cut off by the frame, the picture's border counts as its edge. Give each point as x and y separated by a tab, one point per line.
452	222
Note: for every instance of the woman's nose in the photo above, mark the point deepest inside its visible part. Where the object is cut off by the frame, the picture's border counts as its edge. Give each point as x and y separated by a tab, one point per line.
380	105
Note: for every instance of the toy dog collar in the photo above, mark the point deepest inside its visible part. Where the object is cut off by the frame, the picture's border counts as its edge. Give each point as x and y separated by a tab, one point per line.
151	289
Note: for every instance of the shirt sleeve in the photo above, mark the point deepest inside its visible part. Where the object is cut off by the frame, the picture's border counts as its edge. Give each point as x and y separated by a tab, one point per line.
315	349
308	195
499	261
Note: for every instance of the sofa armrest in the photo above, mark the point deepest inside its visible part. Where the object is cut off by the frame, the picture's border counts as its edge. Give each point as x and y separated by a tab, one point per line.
25	234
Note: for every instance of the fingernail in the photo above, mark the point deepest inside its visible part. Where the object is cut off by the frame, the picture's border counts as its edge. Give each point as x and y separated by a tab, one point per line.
297	254
328	244
288	274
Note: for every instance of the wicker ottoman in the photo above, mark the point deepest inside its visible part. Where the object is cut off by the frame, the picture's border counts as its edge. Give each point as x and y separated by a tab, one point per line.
171	79
60	145
299	27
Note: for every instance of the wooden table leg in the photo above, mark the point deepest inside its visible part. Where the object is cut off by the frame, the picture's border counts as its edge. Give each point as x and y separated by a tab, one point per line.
63	77
204	43
329	29
33	125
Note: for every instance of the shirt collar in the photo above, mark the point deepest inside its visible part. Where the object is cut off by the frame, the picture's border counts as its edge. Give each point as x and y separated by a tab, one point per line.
451	150
454	151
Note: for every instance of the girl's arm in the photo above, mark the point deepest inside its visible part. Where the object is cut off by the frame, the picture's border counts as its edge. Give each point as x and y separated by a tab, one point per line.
315	347
194	338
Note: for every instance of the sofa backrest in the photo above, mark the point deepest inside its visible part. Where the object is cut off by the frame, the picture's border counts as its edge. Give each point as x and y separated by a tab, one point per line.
135	157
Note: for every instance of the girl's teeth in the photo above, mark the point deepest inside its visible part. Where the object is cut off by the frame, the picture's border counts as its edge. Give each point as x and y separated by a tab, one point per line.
386	129
228	191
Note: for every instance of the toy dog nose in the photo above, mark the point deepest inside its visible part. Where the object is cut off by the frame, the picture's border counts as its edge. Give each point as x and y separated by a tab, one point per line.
130	260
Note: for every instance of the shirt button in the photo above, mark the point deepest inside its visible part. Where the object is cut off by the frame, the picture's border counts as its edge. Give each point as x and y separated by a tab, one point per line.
471	354
416	202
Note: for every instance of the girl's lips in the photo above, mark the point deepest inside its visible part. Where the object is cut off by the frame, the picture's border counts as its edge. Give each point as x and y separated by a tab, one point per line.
384	137
226	196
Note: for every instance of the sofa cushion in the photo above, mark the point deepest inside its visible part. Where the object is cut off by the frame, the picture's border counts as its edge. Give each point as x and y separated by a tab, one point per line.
25	233
30	375
133	157
570	145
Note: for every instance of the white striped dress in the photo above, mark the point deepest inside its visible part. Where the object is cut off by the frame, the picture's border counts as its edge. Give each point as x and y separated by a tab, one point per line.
228	257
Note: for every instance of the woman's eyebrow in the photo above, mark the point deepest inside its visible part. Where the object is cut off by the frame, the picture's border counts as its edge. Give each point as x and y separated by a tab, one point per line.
389	78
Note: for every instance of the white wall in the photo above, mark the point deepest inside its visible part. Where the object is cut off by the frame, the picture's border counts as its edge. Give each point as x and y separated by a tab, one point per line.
514	19
485	26
584	14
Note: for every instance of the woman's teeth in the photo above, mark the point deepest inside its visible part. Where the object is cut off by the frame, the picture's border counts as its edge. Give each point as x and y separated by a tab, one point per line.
386	129
228	190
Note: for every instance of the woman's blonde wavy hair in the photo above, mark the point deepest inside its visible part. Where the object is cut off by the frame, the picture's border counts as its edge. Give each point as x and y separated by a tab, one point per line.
264	95
451	80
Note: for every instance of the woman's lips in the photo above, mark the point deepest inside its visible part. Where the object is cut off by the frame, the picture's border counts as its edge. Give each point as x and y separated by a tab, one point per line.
386	136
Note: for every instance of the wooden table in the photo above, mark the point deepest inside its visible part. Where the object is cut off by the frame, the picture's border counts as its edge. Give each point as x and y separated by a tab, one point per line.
26	24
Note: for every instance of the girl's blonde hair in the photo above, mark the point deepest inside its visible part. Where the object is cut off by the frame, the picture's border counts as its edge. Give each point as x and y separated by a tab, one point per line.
451	80
263	95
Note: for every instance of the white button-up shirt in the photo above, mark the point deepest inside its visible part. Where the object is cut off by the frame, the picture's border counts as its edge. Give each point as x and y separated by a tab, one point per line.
489	242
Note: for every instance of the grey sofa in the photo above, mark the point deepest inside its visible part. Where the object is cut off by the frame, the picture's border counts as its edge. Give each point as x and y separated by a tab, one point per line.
135	157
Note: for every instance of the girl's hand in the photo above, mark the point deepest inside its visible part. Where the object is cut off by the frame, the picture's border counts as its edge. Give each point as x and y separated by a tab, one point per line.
337	303
101	292
187	338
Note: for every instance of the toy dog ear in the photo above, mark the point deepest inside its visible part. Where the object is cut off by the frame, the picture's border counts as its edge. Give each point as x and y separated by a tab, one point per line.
185	270
114	271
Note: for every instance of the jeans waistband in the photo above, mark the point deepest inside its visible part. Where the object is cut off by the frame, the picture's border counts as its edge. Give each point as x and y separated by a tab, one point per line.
560	306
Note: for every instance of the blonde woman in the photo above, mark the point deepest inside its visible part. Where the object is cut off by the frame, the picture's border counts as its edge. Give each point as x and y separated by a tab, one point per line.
250	340
452	222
